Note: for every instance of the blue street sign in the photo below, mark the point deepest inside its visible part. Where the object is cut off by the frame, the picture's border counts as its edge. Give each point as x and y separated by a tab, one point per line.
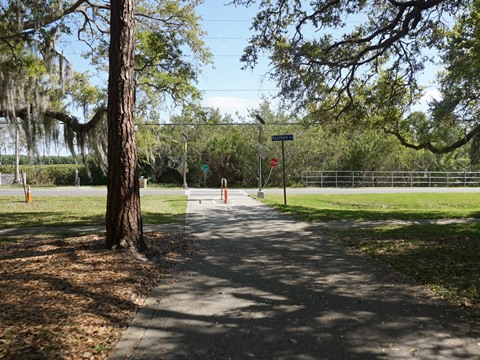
282	137
204	168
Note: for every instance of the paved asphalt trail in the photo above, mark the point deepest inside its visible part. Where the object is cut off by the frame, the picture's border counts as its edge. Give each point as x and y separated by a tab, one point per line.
268	287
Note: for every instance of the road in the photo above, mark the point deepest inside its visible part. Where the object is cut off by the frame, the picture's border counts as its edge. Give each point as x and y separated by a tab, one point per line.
102	191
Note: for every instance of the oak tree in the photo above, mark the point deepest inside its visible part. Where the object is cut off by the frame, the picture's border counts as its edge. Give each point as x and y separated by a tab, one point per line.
323	53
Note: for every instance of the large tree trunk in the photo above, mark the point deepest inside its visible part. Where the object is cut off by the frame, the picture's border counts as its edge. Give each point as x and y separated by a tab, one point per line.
123	218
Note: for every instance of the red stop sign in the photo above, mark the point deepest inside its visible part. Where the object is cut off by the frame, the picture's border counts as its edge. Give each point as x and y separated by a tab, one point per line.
273	162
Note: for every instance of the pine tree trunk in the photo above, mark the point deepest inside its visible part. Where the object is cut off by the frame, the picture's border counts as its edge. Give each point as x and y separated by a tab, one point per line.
123	218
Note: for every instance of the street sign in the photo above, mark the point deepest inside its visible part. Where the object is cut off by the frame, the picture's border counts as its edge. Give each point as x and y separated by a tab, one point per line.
273	162
282	137
205	168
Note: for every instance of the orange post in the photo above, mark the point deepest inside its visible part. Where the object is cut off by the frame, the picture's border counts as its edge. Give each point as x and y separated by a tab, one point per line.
223	189
29	195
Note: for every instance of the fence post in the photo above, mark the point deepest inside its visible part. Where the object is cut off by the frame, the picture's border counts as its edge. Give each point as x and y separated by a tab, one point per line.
395	178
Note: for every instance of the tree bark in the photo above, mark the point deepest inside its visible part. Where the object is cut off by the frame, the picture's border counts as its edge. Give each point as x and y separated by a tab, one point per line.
123	218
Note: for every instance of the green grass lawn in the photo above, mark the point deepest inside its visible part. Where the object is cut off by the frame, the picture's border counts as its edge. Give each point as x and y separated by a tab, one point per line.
84	210
378	206
444	258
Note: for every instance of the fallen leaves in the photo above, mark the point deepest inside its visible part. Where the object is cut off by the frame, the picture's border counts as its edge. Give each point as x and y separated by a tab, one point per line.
71	298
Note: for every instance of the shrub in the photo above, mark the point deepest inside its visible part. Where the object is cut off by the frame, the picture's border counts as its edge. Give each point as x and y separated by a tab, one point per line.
59	175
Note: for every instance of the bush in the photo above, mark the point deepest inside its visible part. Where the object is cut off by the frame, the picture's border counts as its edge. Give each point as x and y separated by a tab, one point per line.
59	175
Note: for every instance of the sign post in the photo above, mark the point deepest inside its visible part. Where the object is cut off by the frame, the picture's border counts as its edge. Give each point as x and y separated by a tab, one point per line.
204	170
283	138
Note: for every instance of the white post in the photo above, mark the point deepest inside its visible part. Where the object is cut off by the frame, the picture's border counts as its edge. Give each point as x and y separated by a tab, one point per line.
260	193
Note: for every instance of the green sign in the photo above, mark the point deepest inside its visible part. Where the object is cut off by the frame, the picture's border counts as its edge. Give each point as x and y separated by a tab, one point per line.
204	168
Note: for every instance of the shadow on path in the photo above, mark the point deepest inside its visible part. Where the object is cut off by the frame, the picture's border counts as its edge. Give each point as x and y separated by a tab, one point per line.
268	287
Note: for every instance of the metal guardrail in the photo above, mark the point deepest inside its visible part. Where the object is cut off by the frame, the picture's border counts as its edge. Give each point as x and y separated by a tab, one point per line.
6	179
342	179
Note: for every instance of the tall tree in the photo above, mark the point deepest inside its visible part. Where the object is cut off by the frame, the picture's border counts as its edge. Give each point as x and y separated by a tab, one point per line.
124	220
30	65
39	78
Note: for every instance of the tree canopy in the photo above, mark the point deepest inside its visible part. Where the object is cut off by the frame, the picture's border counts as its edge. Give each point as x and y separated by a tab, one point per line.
325	55
39	84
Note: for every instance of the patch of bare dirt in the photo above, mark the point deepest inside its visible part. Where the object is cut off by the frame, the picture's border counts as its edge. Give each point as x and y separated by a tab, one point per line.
70	298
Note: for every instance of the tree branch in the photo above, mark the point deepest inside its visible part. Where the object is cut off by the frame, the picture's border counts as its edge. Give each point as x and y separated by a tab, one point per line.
432	148
69	120
73	123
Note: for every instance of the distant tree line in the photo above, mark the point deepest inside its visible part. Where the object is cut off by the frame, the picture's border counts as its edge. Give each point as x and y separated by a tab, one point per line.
230	148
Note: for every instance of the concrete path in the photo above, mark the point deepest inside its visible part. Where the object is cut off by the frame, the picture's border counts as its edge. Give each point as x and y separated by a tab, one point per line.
268	287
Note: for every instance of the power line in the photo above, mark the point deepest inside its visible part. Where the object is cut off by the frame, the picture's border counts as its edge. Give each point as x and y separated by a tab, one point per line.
227	20
219	124
240	90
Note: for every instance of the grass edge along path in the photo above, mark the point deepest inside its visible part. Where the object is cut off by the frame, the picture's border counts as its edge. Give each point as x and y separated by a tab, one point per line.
443	258
84	210
409	206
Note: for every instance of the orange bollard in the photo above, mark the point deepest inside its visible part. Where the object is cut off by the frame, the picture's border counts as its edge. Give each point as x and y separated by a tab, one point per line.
223	189
226	195
29	195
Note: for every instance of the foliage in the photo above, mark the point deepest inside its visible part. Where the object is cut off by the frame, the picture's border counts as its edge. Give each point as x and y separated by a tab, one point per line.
61	174
25	160
315	46
460	84
40	87
230	148
162	67
362	61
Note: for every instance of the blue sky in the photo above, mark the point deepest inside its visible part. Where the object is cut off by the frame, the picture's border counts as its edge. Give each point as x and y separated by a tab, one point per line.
231	89
226	85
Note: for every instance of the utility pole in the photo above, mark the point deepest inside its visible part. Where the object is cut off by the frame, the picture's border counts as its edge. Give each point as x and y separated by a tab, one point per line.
261	137
184	161
17	155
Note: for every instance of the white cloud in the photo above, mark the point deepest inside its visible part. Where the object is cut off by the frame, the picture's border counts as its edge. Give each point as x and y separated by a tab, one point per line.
230	105
430	94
